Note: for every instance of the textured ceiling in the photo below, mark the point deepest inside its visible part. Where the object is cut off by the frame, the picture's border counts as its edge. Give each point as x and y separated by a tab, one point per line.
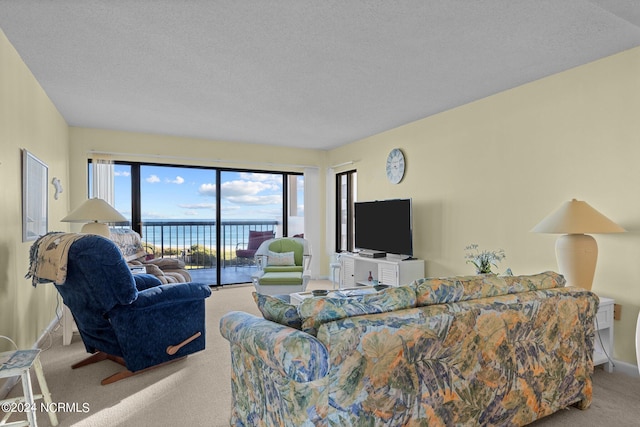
316	74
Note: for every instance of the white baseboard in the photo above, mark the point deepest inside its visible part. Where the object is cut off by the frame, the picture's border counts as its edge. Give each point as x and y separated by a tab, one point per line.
9	383
626	368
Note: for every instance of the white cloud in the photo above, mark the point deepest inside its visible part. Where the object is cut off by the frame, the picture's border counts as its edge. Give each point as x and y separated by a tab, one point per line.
178	180
255	200
121	173
262	177
152	179
245	188
207	190
197	205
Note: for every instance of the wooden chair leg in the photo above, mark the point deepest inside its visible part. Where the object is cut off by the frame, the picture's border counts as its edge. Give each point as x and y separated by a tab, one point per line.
126	373
98	356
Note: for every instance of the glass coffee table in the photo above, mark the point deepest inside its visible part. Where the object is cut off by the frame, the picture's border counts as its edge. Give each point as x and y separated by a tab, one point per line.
298	297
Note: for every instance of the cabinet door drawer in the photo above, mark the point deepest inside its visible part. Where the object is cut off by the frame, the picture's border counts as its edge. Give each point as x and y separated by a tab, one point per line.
347	271
604	317
388	275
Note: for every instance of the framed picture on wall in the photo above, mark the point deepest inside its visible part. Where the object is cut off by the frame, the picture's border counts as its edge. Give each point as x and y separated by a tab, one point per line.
34	197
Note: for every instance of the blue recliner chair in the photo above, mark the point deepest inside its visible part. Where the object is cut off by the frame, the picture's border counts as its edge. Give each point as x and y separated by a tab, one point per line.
131	319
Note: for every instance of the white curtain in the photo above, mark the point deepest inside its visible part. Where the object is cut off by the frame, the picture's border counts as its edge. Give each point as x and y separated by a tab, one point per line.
103	173
312	217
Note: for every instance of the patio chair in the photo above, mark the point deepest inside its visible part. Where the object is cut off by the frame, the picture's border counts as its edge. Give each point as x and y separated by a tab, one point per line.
246	252
167	270
283	266
133	320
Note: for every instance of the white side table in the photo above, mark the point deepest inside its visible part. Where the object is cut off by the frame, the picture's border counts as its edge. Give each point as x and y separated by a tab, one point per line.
18	362
603	340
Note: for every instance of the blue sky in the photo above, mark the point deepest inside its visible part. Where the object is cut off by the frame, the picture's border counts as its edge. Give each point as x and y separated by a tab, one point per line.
189	193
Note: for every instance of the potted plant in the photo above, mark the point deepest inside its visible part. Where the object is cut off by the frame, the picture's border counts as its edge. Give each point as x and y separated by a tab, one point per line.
483	261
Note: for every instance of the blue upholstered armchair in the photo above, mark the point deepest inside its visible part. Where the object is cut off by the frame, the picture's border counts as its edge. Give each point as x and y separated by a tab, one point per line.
131	319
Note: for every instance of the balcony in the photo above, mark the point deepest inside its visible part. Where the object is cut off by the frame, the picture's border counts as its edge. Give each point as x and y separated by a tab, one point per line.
196	243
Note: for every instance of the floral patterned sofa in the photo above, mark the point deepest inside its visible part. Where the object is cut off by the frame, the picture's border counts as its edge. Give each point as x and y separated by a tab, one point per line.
472	350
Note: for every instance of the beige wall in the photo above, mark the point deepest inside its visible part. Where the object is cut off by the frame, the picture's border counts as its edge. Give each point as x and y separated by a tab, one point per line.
28	120
483	173
489	171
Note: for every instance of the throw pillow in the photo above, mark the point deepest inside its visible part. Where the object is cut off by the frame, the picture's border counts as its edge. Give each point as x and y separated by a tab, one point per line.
277	310
317	311
284	258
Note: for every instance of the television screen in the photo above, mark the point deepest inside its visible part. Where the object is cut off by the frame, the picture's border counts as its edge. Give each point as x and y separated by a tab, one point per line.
385	226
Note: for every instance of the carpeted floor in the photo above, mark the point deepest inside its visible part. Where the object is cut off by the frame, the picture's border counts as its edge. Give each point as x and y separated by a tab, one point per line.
196	391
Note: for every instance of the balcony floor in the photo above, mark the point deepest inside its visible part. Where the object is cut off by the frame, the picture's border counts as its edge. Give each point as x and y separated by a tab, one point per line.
228	275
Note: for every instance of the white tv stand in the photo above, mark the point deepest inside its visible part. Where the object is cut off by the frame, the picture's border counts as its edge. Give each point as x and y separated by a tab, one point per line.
355	269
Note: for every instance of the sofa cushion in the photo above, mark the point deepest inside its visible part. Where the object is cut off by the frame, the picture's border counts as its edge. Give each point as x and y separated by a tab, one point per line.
280	258
277	310
283	269
316	311
284	278
463	288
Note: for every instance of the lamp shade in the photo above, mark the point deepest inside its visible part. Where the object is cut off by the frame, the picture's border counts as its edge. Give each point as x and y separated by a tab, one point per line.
95	212
577	252
577	217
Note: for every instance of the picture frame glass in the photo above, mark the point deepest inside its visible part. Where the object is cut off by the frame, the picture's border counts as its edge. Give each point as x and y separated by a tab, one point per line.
34	197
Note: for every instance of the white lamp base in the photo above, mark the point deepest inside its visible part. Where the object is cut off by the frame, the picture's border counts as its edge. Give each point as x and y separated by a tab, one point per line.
98	228
577	255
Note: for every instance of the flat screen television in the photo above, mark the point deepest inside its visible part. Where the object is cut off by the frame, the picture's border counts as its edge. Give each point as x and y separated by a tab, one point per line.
384	226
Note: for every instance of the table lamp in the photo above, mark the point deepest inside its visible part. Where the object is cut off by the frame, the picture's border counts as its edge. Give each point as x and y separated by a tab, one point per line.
95	212
576	251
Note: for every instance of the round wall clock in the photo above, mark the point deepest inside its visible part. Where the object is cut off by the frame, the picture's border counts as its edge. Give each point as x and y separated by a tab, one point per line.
395	166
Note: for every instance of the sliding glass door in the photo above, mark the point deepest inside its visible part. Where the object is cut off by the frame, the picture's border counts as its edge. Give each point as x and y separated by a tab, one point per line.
178	217
206	217
251	211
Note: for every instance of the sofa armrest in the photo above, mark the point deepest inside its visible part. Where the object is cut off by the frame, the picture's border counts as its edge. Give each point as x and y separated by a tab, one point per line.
172	293
146	281
293	353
